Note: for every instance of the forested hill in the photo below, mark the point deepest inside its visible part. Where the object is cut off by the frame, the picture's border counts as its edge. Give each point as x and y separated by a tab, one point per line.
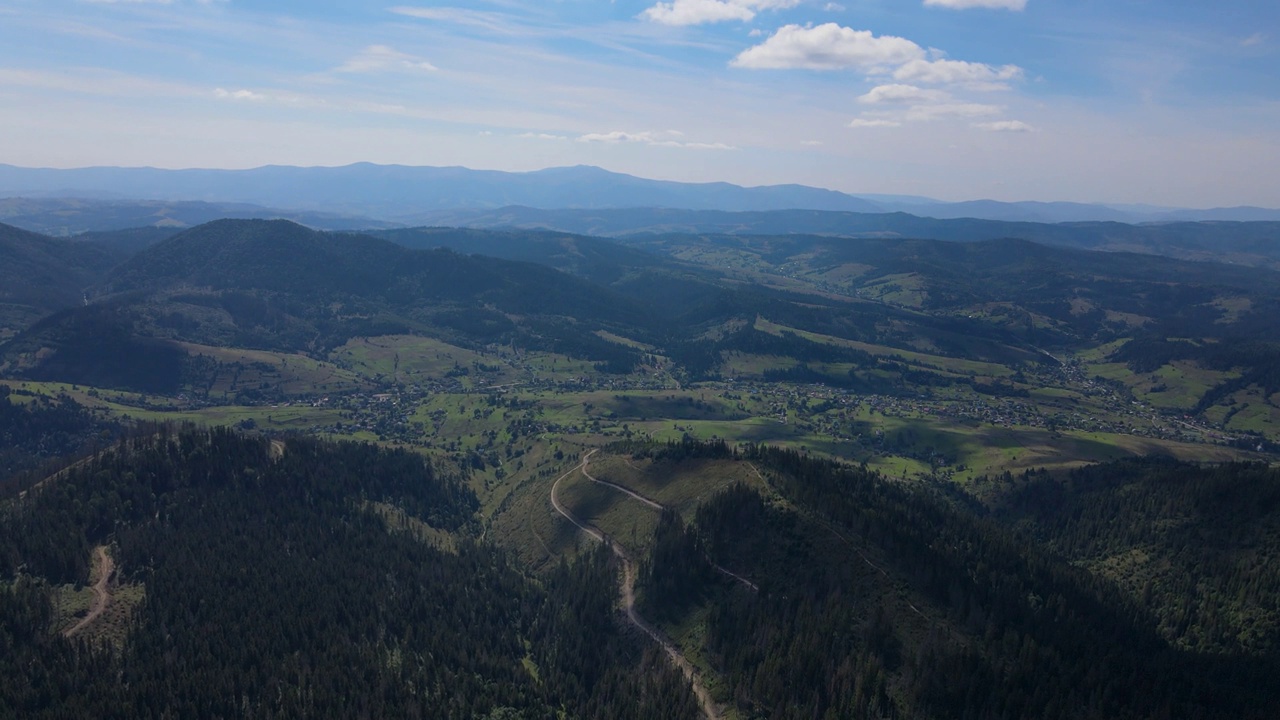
45	272
279	286
597	259
279	588
878	599
1067	296
282	257
289	261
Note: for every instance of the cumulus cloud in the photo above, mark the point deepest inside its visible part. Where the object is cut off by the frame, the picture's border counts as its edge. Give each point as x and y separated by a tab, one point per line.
829	47
670	138
873	123
698	12
1016	126
989	4
896	94
979	76
541	136
377	58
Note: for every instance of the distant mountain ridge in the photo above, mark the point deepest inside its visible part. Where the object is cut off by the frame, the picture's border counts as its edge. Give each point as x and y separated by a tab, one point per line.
68	216
405	194
1244	243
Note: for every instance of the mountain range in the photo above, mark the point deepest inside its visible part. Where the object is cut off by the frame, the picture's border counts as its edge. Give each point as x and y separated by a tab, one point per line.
406	195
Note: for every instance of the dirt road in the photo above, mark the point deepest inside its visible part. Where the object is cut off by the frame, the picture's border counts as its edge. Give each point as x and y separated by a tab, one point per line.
101	591
657	506
619	488
627	591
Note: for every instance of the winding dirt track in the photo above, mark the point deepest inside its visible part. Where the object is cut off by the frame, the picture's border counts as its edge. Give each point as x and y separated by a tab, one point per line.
658	506
101	592
628	590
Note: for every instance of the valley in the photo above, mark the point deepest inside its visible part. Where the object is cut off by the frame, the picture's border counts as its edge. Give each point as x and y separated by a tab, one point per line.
767	436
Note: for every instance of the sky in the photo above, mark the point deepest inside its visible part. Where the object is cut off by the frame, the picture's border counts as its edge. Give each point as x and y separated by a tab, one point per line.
1163	102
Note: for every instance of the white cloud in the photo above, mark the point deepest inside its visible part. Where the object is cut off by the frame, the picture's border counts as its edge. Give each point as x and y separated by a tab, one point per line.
891	94
1016	126
380	57
828	47
225	94
978	76
698	12
989	4
541	136
656	139
924	113
617	136
865	123
1254	39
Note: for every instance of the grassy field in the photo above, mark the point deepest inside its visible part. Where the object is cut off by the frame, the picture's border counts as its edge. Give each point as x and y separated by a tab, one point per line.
1249	410
406	359
619	340
292	374
294	417
525	523
1176	386
903	290
955	365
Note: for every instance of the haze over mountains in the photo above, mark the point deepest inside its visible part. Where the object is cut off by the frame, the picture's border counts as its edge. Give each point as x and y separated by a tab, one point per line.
403	194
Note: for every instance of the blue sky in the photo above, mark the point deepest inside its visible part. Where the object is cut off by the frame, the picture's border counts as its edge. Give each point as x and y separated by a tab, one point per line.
1170	102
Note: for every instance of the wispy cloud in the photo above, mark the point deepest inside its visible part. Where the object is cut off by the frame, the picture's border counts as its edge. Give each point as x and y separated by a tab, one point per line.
873	123
92	81
669	138
150	2
377	58
987	4
978	76
225	94
925	113
485	20
1014	126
